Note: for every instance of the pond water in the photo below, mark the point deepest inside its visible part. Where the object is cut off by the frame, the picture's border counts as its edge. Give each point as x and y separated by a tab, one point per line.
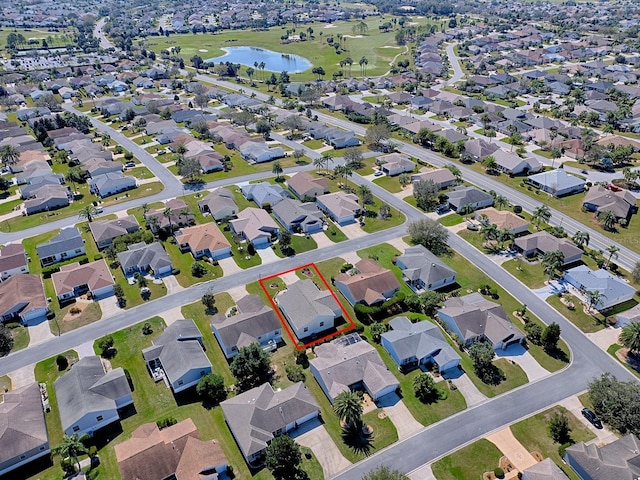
274	61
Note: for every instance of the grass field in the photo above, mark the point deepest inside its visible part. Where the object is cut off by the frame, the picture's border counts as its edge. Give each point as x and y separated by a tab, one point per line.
534	435
379	48
469	462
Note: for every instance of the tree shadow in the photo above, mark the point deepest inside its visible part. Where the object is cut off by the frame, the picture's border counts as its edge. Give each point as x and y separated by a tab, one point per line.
492	375
357	439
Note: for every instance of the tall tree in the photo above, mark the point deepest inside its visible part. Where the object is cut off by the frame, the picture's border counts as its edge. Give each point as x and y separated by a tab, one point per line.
541	214
283	458
9	155
630	337
594	297
612	250
71	447
88	213
550	337
251	367
348	407
166	213
429	233
608	219
552	261
581	238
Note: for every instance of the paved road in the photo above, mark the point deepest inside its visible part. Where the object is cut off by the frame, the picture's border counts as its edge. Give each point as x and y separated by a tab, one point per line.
99	34
454	61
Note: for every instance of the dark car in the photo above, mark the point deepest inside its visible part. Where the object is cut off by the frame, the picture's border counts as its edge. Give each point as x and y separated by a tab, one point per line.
442	209
589	415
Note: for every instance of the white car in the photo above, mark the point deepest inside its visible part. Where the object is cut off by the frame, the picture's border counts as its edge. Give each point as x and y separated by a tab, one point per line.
379	173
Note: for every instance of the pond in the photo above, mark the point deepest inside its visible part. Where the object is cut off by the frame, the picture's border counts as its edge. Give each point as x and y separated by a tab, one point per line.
274	61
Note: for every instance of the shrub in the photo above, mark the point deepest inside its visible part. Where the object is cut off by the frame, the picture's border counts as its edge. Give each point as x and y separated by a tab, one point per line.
106	346
302	358
517	209
198	270
166	422
62	362
74	311
294	373
563	448
498	472
346	267
97	257
147	329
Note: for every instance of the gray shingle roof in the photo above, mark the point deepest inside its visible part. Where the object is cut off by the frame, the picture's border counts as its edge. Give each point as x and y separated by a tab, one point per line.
67	239
256	414
296	213
618	460
467	195
304	301
143	255
110	229
87	388
424	265
545	470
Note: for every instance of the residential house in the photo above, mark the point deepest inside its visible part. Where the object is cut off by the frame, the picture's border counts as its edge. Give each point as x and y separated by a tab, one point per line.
22	298
106	231
540	243
13	261
220	203
46	198
613	291
480	149
299	217
340	206
629	316
254	322
367	283
421	343
67	244
110	184
90	398
556	182
256	226
349	363
469	196
175	214
422	270
395	164
173	452
473	318
257	416
205	239
617	460
307	309
305	186
259	152
600	199
442	177
98	166
23	437
264	194
544	470
74	280
503	220
178	356
513	164
142	258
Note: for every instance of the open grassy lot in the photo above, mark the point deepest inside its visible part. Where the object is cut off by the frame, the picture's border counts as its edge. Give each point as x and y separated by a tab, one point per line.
469	462
391	184
60	38
378	47
534	435
299	244
531	274
450	220
375	224
20	336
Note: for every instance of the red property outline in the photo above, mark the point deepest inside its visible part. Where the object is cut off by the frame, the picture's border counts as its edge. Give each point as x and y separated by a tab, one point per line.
285	324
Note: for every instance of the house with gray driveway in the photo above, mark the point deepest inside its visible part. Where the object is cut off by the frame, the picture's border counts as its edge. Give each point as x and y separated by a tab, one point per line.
254	322
257	416
255	226
110	184
540	243
368	283
473	318
471	196
205	239
613	291
90	398
259	152
340	206
264	193
307	309
599	199
106	231
74	280
350	363
178	356
299	217
422	270
556	182
22	298
619	460
67	244
305	186
142	258
24	436
13	261
442	177
422	343
220	204
395	163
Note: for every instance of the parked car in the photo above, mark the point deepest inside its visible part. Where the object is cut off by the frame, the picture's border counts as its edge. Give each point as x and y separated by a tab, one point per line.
378	173
593	419
441	209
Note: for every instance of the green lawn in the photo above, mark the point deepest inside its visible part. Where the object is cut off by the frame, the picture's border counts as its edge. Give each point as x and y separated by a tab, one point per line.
613	349
391	184
20	336
586	323
531	274
534	435
384	255
5	383
313	144
239	251
66	321
451	219
141	173
468	463
299	244
184	261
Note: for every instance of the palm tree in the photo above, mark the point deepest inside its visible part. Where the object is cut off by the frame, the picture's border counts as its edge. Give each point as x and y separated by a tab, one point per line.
71	447
106	139
365	194
505	236
277	169
185	212
612	250
348	407
318	162
500	202
541	214
608	219
489	231
581	238
9	155
630	337
466	210
167	212
489	163
88	213
594	297
552	261
486	120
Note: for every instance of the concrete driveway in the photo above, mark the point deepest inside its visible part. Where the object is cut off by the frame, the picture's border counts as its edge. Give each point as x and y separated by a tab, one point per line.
229	266
399	414
315	437
39	331
23	376
603	435
109	306
353	230
512	448
321	239
605	338
520	355
267	255
172	284
469	391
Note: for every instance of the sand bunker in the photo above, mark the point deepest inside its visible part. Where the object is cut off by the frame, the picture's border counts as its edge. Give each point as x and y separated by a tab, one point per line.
203	50
352	36
329	25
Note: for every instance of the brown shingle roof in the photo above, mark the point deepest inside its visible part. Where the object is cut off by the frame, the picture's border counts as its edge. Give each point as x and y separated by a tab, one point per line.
96	275
371	281
19	289
201	237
